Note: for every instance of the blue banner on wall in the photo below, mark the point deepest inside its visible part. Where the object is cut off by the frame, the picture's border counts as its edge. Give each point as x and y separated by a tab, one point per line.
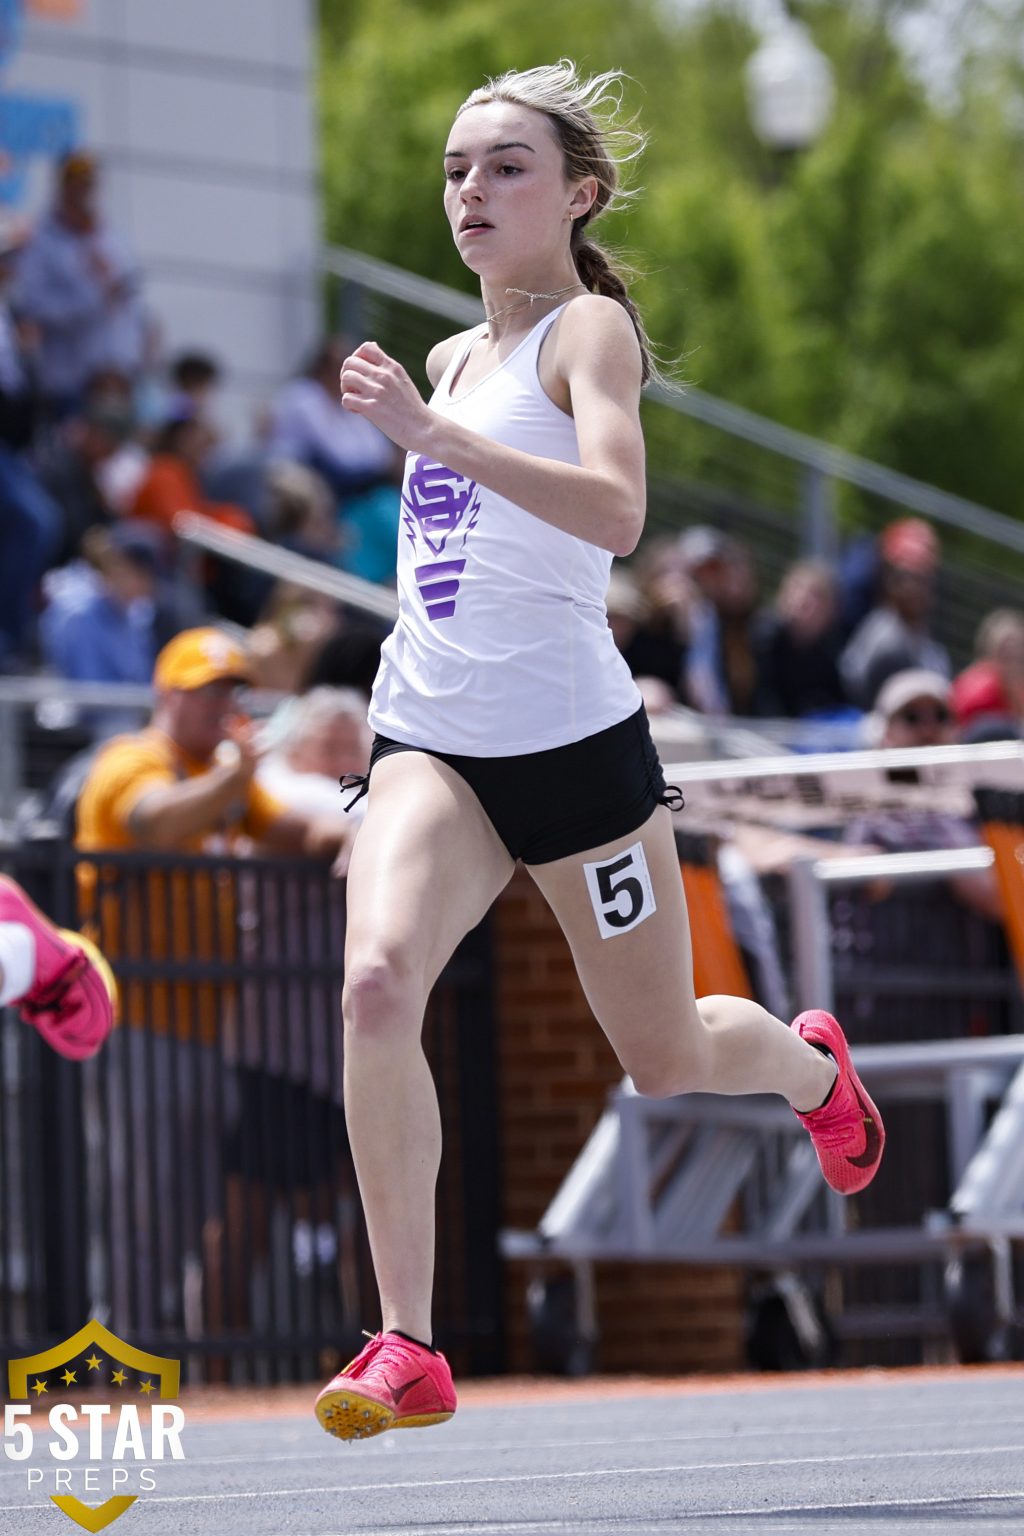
29	125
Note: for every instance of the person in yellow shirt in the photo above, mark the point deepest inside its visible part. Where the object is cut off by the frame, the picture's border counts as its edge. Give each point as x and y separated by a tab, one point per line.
186	783
175	926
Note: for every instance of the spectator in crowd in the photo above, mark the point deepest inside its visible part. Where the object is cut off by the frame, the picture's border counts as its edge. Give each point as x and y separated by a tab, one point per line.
187	785
300	512
670	602
292	629
293	622
627	619
188	781
914	709
348	658
30	521
909	552
798	642
229	473
861	560
106	616
702	554
78	284
988	696
72	464
312	743
723	669
194	377
310	426
172	484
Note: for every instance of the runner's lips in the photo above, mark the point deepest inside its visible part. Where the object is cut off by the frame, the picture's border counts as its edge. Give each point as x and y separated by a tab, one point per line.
472	226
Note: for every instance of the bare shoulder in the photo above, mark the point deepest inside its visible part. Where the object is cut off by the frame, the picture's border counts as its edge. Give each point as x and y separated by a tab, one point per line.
595	329
440	356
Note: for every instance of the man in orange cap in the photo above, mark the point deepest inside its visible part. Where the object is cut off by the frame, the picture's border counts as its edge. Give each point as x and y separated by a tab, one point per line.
186	782
174	930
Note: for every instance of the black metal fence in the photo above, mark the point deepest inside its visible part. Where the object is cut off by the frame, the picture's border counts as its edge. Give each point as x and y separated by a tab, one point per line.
192	1186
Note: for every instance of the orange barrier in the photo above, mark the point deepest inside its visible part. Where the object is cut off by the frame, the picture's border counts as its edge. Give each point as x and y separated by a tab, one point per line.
717	963
1002	824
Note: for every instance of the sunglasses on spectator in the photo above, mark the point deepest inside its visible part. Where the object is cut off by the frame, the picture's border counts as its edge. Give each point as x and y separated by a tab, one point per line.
917	714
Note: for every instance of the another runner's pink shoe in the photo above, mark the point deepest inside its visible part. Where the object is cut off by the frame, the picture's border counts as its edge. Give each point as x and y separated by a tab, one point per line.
73	1000
847	1131
391	1384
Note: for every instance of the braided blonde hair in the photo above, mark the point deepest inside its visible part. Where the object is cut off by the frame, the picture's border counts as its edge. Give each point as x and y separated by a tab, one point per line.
583	113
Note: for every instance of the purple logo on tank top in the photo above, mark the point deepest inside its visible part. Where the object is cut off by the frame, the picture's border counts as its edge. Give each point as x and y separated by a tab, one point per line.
438	505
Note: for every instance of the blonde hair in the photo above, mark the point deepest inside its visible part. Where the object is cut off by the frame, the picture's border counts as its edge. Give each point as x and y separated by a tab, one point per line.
582	113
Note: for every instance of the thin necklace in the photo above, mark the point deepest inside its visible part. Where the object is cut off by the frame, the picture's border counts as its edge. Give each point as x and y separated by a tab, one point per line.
531	298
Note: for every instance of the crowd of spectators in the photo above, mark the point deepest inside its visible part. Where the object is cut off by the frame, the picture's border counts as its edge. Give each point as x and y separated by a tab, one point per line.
103	442
688	617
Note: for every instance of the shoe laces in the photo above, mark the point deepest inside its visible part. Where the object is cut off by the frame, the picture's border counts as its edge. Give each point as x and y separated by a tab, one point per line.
386	1347
832	1131
48	999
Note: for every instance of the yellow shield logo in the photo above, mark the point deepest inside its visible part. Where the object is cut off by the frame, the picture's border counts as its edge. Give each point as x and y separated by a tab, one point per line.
93	1360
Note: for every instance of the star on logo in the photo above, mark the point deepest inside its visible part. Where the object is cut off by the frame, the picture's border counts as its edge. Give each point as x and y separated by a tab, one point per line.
94	1362
39	1387
145	1386
118	1378
69	1377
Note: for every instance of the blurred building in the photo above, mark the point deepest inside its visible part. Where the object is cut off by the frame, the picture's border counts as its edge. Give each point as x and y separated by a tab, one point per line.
202	115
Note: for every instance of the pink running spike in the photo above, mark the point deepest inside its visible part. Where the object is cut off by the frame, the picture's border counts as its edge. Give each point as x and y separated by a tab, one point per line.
73	999
391	1384
847	1131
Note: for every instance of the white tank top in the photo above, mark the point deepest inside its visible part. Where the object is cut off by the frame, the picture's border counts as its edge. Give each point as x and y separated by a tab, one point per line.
502	644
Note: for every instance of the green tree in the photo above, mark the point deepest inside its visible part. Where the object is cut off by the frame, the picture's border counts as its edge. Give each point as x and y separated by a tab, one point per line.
870	291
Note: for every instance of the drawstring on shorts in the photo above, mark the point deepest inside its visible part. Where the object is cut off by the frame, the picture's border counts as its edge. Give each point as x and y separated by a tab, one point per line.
360	781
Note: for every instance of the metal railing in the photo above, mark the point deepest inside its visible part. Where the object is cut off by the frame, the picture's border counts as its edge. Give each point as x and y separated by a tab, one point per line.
709	460
260	555
192	1186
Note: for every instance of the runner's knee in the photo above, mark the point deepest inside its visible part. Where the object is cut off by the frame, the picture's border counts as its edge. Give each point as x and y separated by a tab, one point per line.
381	996
681	1064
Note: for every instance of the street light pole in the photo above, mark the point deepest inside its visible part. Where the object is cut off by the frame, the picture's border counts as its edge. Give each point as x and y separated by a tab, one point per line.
790	89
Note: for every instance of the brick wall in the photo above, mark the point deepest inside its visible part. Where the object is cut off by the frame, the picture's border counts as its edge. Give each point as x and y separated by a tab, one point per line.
556	1068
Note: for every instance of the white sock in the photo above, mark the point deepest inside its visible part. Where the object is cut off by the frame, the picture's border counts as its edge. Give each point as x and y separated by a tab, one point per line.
17	961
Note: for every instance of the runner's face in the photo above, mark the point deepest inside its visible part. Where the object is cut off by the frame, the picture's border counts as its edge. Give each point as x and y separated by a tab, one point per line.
506	195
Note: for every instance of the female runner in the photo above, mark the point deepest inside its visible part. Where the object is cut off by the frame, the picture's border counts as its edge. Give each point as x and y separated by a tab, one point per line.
508	726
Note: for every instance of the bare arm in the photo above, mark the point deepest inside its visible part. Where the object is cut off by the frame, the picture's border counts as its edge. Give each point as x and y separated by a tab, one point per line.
602	499
170	814
167	815
320	837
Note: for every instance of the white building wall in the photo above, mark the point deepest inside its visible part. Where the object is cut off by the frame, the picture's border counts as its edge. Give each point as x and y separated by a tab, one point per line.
202	113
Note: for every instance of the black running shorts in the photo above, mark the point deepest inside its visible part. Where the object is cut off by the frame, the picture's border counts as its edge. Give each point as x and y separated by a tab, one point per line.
566	800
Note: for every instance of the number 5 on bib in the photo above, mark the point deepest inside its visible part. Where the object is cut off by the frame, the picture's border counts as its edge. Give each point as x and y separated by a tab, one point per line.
621	893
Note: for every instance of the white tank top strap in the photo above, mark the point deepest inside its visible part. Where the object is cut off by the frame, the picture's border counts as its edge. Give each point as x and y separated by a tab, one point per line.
458	357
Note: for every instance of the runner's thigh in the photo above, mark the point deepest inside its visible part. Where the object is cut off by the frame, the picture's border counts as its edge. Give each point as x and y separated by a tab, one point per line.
426	866
627	927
